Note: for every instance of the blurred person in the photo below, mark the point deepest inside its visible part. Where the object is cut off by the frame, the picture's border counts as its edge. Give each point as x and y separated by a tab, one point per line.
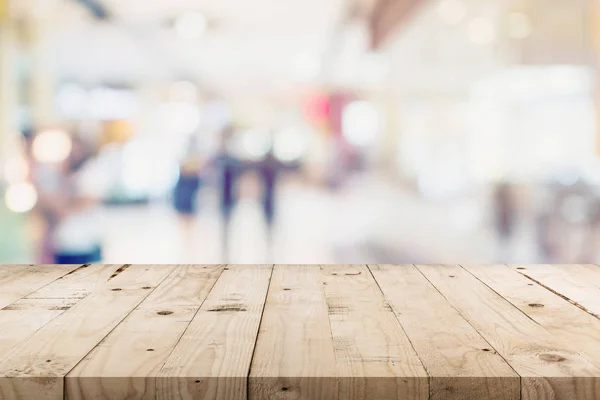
268	171
188	184
505	216
228	168
70	195
46	179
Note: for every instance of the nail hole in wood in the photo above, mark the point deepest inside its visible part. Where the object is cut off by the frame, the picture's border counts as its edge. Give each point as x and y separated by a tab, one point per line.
117	289
48	360
286	289
149	349
285	389
451	276
530	284
146	287
536	305
520	268
486	349
197	381
226	269
165	312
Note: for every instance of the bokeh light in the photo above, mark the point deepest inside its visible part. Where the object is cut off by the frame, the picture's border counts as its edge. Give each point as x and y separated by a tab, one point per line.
52	146
290	144
21	197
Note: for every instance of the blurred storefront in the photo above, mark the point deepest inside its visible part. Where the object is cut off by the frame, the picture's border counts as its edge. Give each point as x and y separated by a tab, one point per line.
428	104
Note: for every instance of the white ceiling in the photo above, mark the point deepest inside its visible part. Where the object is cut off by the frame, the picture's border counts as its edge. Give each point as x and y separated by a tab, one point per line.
431	58
253	46
248	42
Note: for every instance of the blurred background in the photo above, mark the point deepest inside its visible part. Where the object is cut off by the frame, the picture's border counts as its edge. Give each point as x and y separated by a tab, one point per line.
299	131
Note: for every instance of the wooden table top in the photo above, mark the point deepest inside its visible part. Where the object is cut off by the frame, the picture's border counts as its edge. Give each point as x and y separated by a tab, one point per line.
299	332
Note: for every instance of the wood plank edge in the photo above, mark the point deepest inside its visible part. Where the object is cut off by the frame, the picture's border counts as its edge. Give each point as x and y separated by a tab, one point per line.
429	377
262	313
523	272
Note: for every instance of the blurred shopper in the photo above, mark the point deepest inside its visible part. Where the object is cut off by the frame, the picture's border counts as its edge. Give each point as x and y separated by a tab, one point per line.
228	168
70	195
505	216
268	171
46	178
188	184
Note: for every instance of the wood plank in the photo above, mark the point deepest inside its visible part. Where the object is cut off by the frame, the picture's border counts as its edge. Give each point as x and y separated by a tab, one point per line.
586	272
571	324
21	280
212	359
294	355
547	366
125	364
37	366
460	362
576	289
25	316
80	282
375	358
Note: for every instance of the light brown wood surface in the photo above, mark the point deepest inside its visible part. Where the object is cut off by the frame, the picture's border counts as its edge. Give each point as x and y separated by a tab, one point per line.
549	369
458	359
300	332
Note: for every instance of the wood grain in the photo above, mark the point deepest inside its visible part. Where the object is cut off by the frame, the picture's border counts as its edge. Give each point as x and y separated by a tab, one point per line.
461	363
585	272
294	355
36	367
124	365
576	288
79	282
576	328
212	359
332	332
548	368
20	280
25	316
375	358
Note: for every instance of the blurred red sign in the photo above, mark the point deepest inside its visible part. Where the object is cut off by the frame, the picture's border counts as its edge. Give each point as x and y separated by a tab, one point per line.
317	108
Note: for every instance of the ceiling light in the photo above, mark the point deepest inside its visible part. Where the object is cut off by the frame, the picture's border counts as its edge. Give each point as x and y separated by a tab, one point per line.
191	26
482	31
452	12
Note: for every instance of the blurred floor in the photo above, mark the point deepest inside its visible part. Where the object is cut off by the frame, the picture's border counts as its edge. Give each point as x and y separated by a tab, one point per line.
371	221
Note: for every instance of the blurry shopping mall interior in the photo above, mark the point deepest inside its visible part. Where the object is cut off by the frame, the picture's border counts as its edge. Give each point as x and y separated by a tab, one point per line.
299	131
